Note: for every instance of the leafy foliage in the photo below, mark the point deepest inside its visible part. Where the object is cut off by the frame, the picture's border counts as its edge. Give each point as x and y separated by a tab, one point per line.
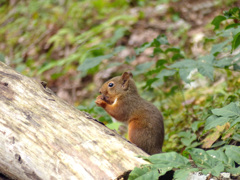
62	32
221	122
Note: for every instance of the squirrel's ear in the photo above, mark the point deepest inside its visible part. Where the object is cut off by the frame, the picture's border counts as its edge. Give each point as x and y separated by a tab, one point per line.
125	79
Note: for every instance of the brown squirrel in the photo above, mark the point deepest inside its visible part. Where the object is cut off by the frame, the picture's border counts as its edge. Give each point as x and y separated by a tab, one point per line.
120	98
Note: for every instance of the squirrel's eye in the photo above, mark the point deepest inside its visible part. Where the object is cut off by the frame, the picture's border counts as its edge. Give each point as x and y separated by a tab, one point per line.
110	85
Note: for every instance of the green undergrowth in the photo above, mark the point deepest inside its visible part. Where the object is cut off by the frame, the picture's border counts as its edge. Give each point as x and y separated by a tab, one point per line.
60	36
199	99
208	127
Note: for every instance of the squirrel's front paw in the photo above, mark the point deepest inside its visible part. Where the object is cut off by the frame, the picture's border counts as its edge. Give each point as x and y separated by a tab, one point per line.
99	101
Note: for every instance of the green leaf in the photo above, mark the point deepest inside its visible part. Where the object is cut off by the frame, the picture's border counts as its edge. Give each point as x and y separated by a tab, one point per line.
195	125
206	69
225	62
157	51
206	59
236	137
161	62
231	110
184	73
20	68
203	160
141	68
129	59
232	13
169	160
187	63
217	48
2	57
118	49
144	173
217	20
176	50
114	125
166	73
114	64
235	122
214	121
187	138
215	170
236	41
183	174
234	171
232	25
160	40
221	156
92	62
233	152
177	56
150	82
142	48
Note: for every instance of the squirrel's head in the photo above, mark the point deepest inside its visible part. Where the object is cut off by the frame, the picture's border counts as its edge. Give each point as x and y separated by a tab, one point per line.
117	87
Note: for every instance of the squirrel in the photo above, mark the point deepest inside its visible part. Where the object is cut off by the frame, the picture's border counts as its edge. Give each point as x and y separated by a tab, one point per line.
120	98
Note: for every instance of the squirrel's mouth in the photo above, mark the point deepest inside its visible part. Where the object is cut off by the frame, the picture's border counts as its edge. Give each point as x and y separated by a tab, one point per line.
107	99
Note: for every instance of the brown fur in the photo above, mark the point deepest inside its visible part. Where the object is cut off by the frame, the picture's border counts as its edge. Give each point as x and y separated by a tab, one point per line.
145	122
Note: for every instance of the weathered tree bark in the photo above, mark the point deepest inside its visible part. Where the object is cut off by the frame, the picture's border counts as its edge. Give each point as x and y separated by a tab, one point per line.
43	137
